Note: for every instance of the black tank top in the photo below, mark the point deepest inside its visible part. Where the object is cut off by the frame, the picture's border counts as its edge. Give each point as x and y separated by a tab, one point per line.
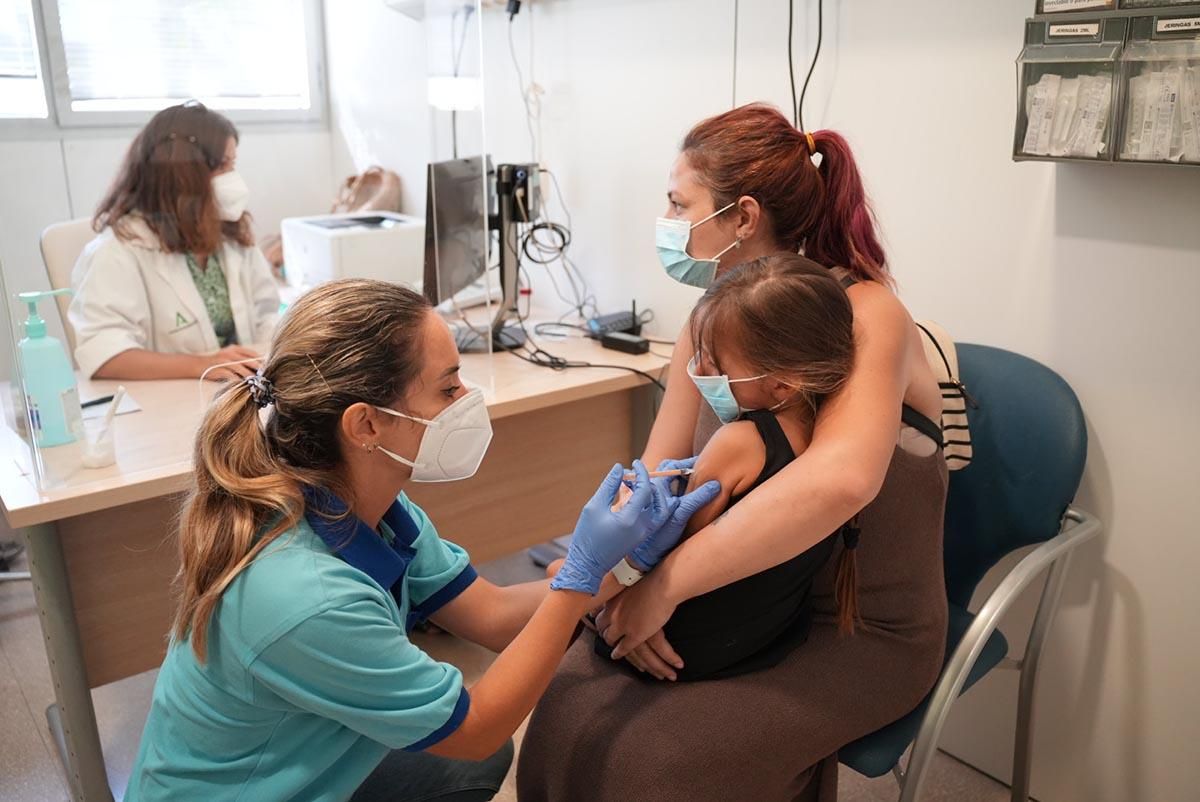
755	622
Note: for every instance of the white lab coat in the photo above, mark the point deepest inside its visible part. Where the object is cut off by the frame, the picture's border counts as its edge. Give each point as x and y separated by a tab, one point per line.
129	293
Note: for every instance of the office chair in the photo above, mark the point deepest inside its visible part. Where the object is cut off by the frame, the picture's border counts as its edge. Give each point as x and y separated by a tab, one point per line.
61	245
1030	443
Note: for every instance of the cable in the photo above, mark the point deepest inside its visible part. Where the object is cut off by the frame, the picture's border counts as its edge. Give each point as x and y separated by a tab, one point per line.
660	355
813	66
540	328
457	55
536	355
733	101
791	65
546	242
526	92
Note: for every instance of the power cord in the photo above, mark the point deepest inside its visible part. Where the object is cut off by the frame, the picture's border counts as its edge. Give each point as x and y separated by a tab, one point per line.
536	355
457	50
791	64
813	66
531	93
545	242
547	328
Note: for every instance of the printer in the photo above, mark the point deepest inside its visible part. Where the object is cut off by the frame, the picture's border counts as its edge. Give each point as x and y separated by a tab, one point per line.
381	245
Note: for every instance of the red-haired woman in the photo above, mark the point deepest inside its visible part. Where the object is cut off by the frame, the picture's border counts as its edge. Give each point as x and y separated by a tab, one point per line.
747	184
173	284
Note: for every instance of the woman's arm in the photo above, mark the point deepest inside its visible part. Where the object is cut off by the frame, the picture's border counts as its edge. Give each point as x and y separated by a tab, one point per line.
671	435
489	614
840	473
138	363
264	295
493	615
510	688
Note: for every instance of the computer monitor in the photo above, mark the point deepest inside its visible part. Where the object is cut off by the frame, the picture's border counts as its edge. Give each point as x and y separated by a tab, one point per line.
456	226
460	217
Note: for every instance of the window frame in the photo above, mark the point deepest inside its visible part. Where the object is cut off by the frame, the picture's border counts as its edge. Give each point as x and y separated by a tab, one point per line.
36	125
61	117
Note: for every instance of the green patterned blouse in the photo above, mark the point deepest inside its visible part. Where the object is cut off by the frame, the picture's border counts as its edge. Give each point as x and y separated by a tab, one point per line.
211	284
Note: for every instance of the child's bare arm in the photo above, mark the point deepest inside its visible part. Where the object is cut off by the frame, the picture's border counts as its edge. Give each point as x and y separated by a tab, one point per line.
734	457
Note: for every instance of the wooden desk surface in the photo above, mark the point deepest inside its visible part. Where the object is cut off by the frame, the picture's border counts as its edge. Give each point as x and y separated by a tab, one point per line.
154	446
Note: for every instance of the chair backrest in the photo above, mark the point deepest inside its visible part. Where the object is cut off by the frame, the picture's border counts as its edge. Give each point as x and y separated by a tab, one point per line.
1030	444
61	245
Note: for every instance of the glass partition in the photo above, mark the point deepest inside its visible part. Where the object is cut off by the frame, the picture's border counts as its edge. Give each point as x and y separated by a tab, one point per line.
21	458
461	258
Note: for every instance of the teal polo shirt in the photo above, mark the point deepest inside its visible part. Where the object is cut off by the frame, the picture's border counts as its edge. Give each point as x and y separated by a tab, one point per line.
310	678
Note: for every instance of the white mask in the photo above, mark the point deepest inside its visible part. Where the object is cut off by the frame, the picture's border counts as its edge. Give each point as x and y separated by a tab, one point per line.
231	195
454	442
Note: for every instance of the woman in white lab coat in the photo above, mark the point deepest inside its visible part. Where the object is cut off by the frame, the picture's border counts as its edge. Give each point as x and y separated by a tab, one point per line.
173	285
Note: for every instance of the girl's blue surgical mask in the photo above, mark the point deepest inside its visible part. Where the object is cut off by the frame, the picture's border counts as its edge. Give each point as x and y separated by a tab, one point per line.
718	392
671	236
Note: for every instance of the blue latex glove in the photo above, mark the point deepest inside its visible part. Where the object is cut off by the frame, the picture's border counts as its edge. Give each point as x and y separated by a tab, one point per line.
656	546
674	485
603	537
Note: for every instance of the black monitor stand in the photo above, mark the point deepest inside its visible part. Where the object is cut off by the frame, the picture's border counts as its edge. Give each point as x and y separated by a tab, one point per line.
516	193
515	190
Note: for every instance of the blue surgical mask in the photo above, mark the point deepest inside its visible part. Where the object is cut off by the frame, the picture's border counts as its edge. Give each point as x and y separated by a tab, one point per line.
671	235
718	392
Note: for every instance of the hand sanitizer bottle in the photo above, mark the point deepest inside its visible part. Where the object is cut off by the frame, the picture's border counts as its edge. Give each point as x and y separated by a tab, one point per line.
50	388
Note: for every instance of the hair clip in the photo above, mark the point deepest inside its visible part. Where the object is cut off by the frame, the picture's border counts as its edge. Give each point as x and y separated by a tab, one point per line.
262	390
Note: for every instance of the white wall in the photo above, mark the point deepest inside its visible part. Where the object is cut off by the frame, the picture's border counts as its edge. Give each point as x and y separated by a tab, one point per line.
622	81
1093	270
376	62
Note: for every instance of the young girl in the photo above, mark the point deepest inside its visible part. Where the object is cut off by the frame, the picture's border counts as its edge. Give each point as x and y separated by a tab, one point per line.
774	338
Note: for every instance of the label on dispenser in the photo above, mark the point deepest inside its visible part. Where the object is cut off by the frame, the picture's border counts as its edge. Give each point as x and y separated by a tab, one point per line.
1178	24
1059	6
1082	29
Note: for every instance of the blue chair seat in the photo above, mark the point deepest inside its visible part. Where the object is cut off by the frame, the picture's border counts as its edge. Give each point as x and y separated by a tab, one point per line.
877	753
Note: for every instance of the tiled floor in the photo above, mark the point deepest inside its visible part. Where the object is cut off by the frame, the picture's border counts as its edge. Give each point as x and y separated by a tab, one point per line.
30	770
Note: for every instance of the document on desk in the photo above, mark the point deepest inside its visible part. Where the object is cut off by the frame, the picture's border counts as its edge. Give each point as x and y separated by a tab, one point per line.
97	412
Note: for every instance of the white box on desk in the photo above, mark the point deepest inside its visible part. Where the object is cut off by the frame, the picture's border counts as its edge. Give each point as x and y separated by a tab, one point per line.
385	245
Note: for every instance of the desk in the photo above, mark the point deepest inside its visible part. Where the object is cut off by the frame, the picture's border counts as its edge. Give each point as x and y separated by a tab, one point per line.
102	547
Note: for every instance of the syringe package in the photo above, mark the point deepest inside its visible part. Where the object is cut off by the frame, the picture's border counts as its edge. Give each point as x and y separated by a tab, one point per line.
1161	98
1067	84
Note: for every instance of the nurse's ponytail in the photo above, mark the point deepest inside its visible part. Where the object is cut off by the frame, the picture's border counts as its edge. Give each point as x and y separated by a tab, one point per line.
807	185
265	439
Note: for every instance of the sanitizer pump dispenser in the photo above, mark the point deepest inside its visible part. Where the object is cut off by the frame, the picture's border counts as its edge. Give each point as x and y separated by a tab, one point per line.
51	392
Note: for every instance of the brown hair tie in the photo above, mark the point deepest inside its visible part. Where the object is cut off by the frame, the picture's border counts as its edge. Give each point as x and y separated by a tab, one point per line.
812	144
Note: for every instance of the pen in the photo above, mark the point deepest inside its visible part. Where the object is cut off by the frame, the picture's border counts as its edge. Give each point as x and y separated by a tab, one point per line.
95	402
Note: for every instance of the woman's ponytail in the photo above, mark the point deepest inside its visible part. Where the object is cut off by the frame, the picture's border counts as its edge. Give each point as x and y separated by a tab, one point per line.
238	485
846	590
345	342
820	210
844	234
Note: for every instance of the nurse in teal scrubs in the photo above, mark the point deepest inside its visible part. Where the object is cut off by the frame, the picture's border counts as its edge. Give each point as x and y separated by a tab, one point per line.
290	674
